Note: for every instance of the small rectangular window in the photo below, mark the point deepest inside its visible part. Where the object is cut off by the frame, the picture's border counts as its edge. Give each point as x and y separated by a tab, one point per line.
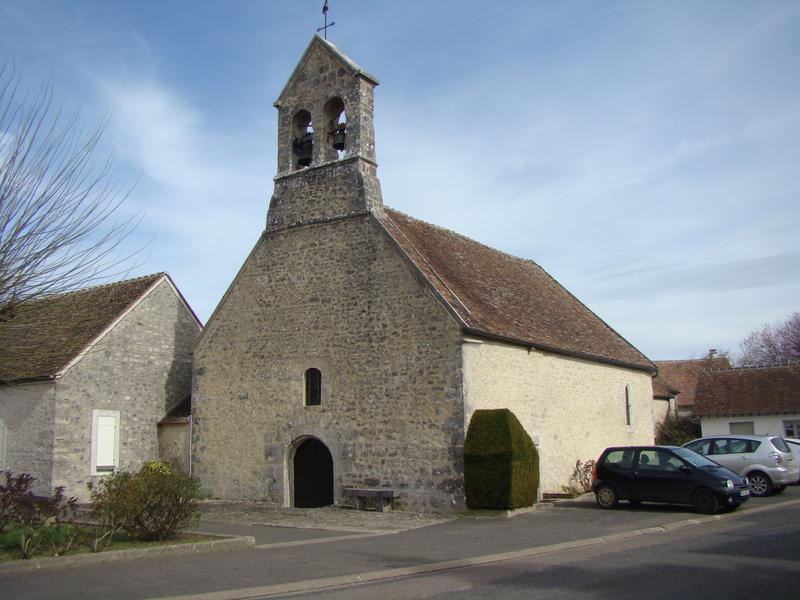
105	441
791	428
742	427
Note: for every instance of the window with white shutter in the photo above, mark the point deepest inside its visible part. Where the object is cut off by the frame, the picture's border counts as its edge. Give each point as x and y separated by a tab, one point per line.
105	441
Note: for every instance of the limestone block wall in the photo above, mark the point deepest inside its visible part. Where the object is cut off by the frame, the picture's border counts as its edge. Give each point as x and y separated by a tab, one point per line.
28	412
141	368
571	408
173	442
337	297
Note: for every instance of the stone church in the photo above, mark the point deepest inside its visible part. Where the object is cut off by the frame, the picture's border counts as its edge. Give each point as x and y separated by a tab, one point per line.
355	342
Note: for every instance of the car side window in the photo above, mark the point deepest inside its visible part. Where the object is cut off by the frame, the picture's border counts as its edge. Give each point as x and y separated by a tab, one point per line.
753	445
721	447
620	459
738	446
701	447
658	460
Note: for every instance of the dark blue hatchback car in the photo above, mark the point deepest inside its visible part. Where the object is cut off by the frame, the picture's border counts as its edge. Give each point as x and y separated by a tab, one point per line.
666	474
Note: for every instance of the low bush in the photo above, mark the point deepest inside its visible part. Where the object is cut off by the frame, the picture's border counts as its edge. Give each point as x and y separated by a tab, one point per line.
580	481
153	504
677	430
31	522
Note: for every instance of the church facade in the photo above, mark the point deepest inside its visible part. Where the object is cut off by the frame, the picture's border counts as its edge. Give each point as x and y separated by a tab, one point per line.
355	342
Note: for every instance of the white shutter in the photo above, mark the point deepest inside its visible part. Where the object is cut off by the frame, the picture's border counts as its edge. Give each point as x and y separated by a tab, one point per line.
106	441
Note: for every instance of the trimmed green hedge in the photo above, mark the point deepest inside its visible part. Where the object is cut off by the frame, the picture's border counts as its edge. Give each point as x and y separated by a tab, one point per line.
501	464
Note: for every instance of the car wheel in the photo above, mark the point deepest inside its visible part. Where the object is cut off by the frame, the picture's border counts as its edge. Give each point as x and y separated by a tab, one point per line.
778	489
760	484
606	496
705	502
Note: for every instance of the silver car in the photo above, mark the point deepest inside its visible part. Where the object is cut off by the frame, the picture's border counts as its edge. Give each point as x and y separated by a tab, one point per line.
765	460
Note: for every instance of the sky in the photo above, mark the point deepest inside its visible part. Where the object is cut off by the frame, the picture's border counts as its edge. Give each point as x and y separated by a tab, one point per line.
646	154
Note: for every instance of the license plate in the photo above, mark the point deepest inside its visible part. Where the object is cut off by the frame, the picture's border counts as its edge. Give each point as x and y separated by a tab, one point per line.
744	493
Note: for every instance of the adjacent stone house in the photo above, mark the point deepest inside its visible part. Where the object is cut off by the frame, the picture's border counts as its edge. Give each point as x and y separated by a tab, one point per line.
354	344
750	400
682	376
86	376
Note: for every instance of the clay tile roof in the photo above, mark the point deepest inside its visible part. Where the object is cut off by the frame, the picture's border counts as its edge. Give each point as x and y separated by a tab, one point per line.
663	389
684	374
749	390
501	296
43	336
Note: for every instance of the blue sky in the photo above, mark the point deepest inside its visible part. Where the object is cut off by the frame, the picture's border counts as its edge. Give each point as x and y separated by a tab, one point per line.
646	154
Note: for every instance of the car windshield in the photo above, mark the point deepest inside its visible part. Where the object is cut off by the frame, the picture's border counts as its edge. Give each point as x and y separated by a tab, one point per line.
693	458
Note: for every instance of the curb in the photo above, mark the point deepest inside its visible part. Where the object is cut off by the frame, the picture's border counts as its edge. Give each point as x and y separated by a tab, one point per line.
224	544
317	585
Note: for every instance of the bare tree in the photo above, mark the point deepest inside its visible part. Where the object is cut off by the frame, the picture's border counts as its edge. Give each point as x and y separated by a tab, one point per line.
772	344
58	205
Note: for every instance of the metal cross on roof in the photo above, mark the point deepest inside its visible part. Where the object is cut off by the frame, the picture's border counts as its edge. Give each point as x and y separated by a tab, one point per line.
324	28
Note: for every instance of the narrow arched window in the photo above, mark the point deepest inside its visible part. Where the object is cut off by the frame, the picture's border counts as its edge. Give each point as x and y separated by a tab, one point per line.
303	139
313	387
628	405
336	129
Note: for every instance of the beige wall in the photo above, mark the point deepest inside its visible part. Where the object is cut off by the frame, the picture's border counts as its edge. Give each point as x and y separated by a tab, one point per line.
661	408
572	408
173	442
762	424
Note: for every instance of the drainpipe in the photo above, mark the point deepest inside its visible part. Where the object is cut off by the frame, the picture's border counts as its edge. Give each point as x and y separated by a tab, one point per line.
191	418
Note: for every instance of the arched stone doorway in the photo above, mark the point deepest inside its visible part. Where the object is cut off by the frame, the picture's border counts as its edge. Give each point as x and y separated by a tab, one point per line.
313	474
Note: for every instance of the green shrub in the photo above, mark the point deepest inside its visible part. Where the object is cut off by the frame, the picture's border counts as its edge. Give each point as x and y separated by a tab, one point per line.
677	430
501	464
153	504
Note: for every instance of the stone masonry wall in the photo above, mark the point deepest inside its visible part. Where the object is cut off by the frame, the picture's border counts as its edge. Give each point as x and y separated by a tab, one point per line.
338	297
28	411
141	368
572	408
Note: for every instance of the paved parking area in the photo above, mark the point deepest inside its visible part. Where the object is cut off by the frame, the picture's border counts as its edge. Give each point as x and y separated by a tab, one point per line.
328	518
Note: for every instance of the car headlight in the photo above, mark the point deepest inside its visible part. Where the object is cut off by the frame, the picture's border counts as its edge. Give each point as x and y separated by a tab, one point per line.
729	484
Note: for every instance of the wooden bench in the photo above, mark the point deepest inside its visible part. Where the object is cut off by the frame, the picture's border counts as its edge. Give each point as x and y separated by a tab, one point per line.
380	495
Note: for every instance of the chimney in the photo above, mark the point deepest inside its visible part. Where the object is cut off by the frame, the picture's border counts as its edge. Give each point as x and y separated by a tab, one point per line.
712	354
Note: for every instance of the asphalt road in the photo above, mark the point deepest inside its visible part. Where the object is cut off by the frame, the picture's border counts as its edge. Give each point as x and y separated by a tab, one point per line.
739	558
646	551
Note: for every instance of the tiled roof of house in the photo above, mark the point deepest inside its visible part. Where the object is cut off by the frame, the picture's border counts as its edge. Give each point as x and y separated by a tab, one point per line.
663	389
43	336
501	296
749	390
683	374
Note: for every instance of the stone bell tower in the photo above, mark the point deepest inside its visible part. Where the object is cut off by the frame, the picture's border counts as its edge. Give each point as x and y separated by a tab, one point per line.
326	142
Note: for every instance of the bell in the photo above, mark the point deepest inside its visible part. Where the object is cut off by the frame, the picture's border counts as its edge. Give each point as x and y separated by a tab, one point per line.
303	148
338	139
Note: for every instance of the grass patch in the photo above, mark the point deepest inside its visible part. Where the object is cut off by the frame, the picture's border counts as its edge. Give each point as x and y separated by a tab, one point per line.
10	542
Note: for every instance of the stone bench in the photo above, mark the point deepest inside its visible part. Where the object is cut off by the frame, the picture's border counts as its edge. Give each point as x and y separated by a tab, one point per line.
380	495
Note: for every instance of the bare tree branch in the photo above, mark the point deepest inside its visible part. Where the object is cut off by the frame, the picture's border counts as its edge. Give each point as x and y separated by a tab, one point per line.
59	229
772	344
